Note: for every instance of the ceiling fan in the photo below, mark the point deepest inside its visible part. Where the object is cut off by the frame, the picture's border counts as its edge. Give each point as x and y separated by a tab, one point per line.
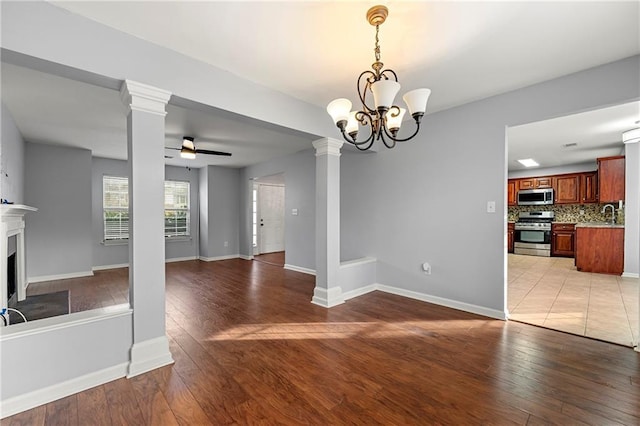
189	151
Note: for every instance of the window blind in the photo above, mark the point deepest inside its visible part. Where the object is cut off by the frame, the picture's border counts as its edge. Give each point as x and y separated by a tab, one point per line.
116	208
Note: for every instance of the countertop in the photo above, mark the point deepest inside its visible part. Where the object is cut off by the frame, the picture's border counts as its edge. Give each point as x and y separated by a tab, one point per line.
598	225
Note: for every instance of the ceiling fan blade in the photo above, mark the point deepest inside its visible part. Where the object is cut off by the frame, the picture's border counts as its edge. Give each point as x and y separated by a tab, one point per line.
206	151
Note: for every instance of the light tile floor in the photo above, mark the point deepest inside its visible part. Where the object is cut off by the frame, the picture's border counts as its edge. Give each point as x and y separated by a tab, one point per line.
550	292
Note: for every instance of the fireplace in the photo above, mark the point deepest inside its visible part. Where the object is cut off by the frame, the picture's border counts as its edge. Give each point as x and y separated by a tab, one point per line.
11	276
12	226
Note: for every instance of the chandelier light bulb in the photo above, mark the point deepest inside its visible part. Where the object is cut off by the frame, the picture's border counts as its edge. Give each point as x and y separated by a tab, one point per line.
352	124
384	92
339	110
416	100
394	118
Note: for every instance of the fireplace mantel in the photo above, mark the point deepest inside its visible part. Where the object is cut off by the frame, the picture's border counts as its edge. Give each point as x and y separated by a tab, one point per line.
15	209
12	223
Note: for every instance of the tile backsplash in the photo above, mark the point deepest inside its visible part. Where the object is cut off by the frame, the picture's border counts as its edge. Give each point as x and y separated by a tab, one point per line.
570	212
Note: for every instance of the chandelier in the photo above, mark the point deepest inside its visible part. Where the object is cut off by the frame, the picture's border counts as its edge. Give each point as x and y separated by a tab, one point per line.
385	118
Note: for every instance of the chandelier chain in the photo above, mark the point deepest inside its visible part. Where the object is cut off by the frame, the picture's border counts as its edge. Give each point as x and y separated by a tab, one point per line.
377	49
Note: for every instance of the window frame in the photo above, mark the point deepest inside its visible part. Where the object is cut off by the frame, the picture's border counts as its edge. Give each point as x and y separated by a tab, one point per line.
121	238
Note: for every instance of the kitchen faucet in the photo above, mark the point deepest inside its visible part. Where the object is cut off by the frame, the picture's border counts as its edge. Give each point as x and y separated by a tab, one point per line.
613	212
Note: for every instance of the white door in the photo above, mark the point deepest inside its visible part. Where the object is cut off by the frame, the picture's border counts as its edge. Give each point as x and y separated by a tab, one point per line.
271	218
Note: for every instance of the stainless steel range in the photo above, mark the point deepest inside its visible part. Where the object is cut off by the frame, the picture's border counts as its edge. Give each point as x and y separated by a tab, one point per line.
533	233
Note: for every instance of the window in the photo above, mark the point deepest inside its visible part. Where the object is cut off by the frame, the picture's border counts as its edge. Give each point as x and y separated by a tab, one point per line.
116	208
115	204
176	209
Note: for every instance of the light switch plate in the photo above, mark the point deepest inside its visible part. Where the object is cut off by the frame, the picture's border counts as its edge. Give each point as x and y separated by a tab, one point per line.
491	206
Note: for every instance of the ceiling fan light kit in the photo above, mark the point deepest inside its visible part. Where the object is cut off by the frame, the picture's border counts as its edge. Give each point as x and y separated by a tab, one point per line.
188	149
384	118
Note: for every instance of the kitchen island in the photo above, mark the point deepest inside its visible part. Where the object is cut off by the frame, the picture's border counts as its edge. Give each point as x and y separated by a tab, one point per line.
600	247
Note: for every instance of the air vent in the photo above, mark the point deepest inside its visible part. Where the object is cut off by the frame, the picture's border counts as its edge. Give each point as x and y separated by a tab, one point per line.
569	145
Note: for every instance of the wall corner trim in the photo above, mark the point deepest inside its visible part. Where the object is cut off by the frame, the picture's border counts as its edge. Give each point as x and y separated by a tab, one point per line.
149	355
630	275
30	400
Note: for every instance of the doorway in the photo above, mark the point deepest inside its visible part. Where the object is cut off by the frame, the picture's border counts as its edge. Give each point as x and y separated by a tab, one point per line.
268	219
549	291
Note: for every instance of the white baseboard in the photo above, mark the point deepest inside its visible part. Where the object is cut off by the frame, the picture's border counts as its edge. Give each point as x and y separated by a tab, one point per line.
454	304
327	298
180	259
106	267
461	306
630	275
149	355
359	291
216	258
245	257
299	269
30	400
42	278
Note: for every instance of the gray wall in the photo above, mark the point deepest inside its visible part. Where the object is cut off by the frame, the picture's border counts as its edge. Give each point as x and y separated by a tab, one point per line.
299	175
426	199
118	254
11	160
58	235
220	214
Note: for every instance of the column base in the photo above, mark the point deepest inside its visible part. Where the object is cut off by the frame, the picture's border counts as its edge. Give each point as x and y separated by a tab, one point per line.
327	298
149	355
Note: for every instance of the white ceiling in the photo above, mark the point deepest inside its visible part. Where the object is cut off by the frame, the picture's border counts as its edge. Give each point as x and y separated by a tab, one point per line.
314	50
596	134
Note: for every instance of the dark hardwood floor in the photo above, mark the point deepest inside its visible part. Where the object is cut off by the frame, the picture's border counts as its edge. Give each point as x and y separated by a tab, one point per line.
250	348
275	258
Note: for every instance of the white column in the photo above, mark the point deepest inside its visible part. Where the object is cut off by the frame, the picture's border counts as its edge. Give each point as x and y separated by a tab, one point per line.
632	210
632	214
145	137
327	292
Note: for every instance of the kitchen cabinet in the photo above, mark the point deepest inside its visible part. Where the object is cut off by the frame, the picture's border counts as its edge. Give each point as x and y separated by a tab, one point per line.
567	189
534	183
589	187
611	179
563	239
512	190
510	236
600	249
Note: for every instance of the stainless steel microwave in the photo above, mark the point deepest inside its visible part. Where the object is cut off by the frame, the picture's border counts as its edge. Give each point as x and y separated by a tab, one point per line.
535	197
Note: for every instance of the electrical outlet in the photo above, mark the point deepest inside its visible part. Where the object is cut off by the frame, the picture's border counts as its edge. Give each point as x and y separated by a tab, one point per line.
226	243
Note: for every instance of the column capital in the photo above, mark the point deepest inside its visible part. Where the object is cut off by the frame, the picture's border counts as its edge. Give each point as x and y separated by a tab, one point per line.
327	146
142	97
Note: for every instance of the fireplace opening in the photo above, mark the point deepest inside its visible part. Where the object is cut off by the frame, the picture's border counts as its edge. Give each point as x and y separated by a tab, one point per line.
11	276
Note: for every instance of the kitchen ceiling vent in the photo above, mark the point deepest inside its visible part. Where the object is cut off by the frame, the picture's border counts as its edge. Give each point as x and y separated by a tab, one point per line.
569	145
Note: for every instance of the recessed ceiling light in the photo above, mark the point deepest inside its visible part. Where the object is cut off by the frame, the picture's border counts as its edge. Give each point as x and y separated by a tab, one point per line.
528	162
569	145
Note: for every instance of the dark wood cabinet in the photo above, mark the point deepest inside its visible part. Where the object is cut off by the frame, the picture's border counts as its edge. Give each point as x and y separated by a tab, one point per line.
512	190
571	188
510	236
537	182
600	249
589	187
563	239
611	179
567	189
